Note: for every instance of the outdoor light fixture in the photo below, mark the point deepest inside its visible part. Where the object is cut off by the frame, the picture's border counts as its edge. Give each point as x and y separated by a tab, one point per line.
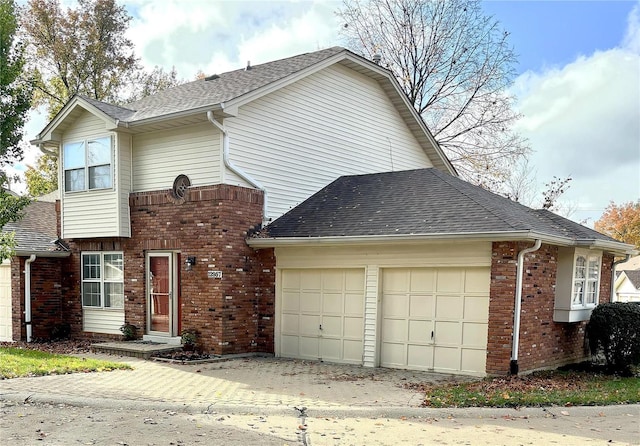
191	260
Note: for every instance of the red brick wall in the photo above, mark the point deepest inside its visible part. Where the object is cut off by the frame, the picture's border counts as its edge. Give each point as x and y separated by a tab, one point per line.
543	342
233	314
46	297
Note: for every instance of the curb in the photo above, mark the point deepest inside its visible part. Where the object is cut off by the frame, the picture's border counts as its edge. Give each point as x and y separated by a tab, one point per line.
338	411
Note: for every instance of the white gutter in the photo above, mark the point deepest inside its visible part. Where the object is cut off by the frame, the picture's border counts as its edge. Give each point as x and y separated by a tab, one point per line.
27	295
513	367
233	168
53	153
613	275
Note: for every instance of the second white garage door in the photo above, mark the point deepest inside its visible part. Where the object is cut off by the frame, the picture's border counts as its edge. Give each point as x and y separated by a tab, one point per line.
435	319
5	302
322	314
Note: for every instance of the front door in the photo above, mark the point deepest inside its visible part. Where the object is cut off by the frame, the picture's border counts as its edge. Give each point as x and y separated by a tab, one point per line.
161	301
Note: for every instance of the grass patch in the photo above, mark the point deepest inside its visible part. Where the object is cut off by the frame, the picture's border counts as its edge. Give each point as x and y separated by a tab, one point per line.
549	388
18	362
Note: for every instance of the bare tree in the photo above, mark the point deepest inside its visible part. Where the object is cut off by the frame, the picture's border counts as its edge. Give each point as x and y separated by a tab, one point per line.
455	64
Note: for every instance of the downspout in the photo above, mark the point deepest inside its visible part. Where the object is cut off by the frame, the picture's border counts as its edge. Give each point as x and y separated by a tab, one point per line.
27	295
513	366
233	168
46	151
613	275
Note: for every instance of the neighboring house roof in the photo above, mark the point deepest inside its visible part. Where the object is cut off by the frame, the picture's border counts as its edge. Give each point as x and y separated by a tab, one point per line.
36	231
423	202
225	92
634	277
631	264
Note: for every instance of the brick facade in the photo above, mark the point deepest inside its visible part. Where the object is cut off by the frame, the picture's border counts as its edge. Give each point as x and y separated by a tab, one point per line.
543	342
46	297
231	315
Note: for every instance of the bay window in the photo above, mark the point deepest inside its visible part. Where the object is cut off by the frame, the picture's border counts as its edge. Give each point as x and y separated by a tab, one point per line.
586	280
103	280
87	164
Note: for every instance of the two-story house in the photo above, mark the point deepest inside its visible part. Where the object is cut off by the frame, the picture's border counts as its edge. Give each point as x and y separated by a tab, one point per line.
198	208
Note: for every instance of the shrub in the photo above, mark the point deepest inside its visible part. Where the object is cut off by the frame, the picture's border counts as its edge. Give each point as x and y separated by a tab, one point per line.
614	332
129	331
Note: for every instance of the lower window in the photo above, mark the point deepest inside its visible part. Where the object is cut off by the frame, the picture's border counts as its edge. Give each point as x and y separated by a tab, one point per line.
103	280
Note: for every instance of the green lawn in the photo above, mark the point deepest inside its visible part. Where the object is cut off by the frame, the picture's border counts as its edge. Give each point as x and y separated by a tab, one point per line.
550	388
18	362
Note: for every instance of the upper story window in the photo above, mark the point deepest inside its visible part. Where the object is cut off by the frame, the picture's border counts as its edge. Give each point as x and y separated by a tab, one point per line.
87	164
586	280
103	280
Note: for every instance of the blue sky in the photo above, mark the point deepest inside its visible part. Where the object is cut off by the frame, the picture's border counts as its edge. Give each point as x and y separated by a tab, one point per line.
578	83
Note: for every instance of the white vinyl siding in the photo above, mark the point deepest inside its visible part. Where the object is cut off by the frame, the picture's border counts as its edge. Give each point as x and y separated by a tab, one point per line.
123	176
375	259
102	320
95	213
300	138
160	156
6	320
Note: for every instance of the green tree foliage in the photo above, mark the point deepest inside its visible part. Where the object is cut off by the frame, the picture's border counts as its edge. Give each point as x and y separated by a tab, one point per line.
614	331
15	90
43	178
80	50
455	64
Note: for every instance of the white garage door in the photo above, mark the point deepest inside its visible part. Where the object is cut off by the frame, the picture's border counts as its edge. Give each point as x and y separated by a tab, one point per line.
435	319
322	314
5	303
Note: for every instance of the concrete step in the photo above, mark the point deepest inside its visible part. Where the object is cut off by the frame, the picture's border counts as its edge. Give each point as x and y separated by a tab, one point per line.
135	349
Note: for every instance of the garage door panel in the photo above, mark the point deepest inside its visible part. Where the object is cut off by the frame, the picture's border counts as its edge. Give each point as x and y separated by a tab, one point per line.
309	347
422	280
394	305
420	357
353	327
474	334
321	319
290	323
476	308
446	358
420	331
352	351
451	301
449	280
477	279
354	303
449	307
395	280
473	360
393	355
448	333
289	346
332	326
395	330
309	324
6	322
332	303
291	301
421	306
310	302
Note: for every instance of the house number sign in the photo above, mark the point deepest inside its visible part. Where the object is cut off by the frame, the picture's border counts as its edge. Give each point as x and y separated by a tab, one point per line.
214	274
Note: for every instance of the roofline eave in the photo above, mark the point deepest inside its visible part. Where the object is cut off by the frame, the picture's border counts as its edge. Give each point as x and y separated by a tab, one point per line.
497	236
49	254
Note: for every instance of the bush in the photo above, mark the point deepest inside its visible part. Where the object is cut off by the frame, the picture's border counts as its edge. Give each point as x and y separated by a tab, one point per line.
614	332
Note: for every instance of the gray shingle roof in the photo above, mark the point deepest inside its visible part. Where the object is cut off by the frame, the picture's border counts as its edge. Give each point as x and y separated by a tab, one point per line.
424	201
634	277
36	231
223	88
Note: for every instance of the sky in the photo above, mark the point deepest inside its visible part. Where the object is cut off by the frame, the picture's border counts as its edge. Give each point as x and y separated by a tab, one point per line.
577	84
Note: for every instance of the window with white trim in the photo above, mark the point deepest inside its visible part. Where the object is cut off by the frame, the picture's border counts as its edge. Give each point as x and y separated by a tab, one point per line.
586	280
87	164
103	280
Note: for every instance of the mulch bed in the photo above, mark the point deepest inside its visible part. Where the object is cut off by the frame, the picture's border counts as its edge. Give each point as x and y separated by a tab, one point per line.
60	347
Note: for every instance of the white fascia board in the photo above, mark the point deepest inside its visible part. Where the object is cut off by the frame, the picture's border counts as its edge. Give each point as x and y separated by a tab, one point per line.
49	254
176	115
617	248
407	238
47	133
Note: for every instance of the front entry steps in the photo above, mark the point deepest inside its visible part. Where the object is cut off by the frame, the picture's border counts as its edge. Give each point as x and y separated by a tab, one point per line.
135	349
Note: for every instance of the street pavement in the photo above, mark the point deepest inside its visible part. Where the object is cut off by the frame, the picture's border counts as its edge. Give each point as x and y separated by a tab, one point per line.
327	403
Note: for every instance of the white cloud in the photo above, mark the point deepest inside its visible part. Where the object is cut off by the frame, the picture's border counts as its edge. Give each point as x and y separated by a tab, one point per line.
583	120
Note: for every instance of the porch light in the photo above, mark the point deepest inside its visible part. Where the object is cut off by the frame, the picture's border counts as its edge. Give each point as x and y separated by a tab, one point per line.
191	260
